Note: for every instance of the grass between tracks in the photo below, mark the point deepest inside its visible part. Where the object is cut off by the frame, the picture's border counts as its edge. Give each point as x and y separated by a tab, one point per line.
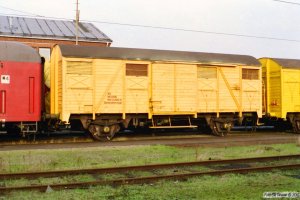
249	186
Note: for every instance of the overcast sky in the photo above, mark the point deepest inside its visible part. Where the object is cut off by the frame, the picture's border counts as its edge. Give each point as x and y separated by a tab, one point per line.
264	18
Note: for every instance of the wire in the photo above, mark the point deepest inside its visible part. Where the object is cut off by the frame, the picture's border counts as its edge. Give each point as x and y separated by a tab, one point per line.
31	14
15	15
289	2
196	31
172	28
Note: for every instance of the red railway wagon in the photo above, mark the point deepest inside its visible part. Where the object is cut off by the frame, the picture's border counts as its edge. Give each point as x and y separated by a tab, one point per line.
20	86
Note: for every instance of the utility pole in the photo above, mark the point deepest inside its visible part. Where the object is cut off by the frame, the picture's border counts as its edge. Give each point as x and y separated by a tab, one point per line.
77	21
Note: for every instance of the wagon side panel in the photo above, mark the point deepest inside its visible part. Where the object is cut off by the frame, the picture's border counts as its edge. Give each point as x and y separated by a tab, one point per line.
207	89
252	90
218	89
290	91
136	87
274	87
163	88
174	89
56	81
77	87
229	89
185	88
108	86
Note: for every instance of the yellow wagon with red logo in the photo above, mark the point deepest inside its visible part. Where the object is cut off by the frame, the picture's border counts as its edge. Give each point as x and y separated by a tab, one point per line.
106	89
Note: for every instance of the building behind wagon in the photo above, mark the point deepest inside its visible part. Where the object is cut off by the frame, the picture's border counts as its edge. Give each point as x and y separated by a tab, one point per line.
43	34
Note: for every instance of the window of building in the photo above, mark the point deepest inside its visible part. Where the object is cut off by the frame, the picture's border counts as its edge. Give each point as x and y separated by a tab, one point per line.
207	72
250	74
45	52
136	70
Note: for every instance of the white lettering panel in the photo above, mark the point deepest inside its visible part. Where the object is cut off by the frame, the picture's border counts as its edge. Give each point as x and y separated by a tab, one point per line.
5	79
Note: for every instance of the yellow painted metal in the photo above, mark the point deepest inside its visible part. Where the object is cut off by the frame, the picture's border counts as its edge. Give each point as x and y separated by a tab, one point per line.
231	92
225	90
272	77
108	87
175	88
150	113
282	88
124	90
291	90
174	113
241	91
55	64
137	90
94	92
77	87
218	93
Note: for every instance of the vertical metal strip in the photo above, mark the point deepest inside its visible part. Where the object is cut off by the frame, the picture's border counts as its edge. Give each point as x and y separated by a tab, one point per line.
31	94
124	90
3	102
282	110
241	91
218	92
267	93
175	88
150	91
94	88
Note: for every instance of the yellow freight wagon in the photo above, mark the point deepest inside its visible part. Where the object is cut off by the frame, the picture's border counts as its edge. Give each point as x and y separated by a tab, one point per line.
281	78
110	88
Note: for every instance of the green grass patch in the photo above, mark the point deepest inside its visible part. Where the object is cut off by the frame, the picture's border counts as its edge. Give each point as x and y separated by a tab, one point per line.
249	186
42	160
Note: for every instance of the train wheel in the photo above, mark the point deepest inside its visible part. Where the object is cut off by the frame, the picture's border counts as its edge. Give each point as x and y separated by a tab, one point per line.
220	128
103	133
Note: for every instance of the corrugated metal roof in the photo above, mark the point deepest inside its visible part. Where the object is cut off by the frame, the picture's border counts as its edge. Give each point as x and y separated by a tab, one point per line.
287	63
16	51
156	55
49	29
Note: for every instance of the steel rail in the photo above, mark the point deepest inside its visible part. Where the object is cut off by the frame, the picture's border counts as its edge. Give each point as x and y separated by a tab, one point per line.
141	180
120	141
32	175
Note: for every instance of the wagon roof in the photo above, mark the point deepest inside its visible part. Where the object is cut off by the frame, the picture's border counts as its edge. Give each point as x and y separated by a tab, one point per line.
287	63
19	52
155	55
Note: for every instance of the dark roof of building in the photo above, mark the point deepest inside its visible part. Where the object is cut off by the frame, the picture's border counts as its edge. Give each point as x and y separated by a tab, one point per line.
287	63
19	52
49	29
156	55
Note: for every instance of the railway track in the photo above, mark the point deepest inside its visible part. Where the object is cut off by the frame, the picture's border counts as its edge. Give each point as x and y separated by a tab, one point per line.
65	137
178	171
181	141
